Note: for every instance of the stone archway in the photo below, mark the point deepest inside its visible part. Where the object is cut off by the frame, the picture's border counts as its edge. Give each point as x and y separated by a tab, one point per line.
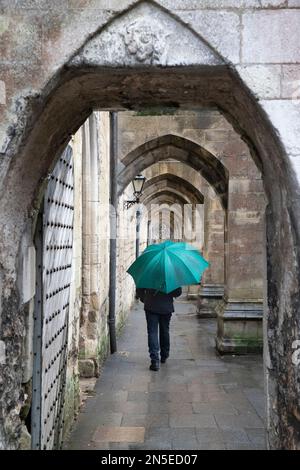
102	74
166	209
183	150
211	241
181	209
188	195
174	183
239	300
165	194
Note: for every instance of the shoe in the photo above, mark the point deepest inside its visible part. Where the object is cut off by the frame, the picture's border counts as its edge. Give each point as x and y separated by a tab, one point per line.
163	360
154	365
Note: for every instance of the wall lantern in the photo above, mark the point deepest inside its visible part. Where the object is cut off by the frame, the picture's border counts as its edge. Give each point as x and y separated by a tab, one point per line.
138	186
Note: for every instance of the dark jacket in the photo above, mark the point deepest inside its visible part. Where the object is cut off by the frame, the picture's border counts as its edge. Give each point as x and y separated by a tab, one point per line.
158	302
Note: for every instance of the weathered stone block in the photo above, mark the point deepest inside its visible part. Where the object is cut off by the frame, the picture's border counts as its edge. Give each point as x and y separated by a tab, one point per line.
92	331
273	3
285	117
216	135
271	36
115	5
240	328
233	146
34	4
20	39
291	81
86	368
209	300
93	316
211	4
245	206
263	80
245	186
241	167
25	439
90	348
220	29
194	134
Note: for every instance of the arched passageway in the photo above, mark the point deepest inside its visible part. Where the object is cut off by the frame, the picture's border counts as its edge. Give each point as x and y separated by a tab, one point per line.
174	183
184	150
165	210
237	295
210	233
166	195
103	74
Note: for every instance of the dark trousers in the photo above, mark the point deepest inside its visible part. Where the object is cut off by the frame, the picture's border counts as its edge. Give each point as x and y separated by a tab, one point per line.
158	334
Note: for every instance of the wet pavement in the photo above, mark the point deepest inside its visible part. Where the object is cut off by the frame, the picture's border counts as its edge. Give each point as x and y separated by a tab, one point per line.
197	400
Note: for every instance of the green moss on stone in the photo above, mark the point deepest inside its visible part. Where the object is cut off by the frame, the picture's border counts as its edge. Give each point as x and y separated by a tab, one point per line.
71	402
247	344
121	322
247	340
81	354
102	349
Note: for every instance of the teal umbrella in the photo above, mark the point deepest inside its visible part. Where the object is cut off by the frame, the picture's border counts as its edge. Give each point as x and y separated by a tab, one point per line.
167	266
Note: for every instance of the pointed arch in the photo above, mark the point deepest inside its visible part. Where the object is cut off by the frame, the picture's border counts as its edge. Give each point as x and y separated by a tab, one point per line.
168	194
175	184
179	148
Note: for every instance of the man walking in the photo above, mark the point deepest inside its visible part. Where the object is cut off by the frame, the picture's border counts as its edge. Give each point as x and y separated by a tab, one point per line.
158	308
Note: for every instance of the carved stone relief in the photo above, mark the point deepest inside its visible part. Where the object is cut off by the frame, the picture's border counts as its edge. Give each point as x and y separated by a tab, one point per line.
145	40
146	35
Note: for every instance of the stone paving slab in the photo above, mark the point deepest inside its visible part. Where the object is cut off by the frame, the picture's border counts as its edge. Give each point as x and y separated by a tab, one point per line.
242	421
145	420
193	421
214	408
119	434
197	400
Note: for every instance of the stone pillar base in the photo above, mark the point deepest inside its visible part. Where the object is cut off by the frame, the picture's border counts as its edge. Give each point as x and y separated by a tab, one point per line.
240	328
87	368
209	299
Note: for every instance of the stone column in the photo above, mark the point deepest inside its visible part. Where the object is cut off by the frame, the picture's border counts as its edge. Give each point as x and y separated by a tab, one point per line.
88	343
240	315
212	285
194	235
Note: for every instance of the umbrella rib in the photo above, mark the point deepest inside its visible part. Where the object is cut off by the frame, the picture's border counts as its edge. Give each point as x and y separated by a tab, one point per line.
165	269
157	255
186	266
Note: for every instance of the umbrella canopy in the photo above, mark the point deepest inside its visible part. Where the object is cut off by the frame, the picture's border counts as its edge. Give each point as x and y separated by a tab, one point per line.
167	266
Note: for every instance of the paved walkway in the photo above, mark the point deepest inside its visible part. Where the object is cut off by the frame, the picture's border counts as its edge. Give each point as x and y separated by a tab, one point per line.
197	400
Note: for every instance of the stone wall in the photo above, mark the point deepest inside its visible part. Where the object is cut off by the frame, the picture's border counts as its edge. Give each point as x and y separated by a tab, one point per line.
126	250
95	222
89	299
94	334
